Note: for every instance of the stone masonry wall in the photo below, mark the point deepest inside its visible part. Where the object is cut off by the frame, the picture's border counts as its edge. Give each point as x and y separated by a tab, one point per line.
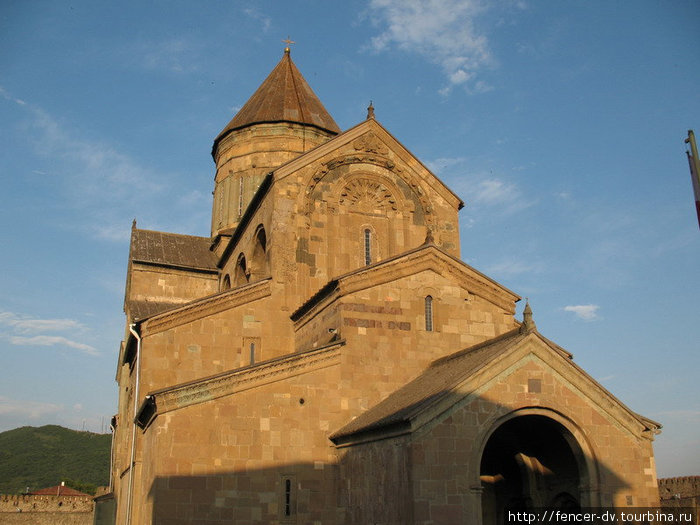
46	510
682	487
682	492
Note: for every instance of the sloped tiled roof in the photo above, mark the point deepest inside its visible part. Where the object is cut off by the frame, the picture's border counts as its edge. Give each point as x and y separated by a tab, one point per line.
142	309
436	382
58	490
172	249
284	96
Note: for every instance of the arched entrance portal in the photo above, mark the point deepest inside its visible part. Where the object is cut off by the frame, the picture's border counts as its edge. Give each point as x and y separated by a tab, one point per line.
530	461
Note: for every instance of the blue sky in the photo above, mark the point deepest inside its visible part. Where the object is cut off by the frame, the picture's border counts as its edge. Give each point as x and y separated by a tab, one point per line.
560	124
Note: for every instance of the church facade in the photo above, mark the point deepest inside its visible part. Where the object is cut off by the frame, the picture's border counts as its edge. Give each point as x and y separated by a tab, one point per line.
325	357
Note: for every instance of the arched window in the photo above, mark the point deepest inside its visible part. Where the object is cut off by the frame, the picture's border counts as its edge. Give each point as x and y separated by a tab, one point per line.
368	246
428	313
226	283
241	272
259	267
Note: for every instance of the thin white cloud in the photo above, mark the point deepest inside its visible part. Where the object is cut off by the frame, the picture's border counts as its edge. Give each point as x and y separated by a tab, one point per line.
482	191
513	267
98	181
102	169
445	32
28	409
255	14
587	312
27	331
443	163
52	340
174	55
4	94
495	191
27	325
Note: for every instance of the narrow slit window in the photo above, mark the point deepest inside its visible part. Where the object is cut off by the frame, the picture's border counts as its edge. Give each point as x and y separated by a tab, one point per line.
240	196
429	314
250	352
287	497
368	247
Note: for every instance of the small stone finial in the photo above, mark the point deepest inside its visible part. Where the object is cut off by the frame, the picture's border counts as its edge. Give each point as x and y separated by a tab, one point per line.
288	42
133	225
528	323
429	239
370	110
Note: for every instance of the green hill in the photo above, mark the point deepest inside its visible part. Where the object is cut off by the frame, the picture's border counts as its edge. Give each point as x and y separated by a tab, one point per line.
43	457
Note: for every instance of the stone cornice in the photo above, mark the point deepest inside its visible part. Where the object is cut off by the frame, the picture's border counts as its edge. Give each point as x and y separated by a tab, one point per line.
241	379
205	307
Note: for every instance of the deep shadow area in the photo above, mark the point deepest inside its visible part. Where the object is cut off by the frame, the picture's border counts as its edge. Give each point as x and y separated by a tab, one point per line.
531	462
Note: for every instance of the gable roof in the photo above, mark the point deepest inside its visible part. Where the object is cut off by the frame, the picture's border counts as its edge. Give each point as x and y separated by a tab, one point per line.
424	257
396	413
370	125
284	96
172	250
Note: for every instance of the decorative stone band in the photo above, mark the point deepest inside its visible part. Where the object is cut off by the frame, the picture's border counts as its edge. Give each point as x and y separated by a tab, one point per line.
205	307
234	381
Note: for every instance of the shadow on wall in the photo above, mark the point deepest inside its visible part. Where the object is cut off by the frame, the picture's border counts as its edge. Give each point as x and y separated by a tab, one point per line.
450	470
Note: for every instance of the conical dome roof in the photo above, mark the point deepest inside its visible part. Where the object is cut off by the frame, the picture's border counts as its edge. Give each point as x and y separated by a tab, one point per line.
284	96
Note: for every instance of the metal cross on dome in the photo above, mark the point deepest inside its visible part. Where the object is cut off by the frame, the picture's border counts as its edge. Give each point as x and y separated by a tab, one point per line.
288	41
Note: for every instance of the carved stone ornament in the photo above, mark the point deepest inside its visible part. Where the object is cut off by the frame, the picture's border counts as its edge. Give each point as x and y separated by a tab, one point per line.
371	144
310	195
367	195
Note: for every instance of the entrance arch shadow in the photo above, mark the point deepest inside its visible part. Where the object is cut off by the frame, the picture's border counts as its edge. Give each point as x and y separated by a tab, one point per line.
535	458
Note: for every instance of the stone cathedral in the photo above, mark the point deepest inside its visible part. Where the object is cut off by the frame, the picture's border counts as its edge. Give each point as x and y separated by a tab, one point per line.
326	357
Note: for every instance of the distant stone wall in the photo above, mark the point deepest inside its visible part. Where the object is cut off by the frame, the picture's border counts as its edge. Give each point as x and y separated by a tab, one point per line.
679	488
46	518
46	510
682	492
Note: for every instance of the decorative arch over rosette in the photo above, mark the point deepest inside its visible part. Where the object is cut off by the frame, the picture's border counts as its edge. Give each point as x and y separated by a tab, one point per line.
367	193
359	174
